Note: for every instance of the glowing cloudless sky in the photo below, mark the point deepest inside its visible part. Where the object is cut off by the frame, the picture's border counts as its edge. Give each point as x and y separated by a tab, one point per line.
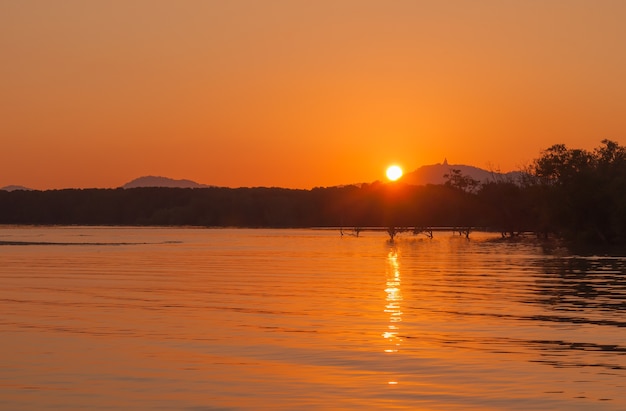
300	94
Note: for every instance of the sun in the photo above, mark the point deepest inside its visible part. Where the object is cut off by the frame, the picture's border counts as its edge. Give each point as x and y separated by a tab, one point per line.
394	173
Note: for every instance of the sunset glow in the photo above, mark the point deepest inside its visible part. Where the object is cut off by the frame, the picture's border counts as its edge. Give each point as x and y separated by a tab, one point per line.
95	94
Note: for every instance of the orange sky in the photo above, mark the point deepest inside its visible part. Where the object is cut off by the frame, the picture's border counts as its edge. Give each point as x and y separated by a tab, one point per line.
300	93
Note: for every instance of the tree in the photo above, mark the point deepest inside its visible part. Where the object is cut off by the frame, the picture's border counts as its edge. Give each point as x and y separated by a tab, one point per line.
458	180
583	192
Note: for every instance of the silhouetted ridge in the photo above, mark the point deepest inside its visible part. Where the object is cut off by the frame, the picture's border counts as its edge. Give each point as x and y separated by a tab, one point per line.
156	181
14	188
567	194
434	174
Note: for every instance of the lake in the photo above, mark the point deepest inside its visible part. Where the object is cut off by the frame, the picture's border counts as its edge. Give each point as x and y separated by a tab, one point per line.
107	318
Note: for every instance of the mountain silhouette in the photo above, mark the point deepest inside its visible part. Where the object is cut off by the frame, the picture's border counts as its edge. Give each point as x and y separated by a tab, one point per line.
156	181
435	174
428	174
15	188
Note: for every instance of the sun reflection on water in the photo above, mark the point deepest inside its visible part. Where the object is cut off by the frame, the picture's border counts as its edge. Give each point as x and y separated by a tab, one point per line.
393	302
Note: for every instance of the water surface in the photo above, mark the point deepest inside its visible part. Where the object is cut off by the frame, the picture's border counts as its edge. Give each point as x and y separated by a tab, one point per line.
221	319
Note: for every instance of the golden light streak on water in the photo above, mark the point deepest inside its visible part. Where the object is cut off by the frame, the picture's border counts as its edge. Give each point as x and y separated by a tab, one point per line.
146	318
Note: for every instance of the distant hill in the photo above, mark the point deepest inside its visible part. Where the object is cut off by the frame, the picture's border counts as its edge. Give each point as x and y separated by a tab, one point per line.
429	174
15	188
434	174
154	181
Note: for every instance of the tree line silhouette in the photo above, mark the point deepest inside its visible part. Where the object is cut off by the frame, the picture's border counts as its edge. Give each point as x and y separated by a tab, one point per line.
574	194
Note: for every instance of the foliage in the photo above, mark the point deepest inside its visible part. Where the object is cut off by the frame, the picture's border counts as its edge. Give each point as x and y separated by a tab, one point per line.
461	181
583	192
368	205
574	194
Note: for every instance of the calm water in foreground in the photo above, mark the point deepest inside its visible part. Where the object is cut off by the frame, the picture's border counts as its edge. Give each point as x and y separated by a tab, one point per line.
200	319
